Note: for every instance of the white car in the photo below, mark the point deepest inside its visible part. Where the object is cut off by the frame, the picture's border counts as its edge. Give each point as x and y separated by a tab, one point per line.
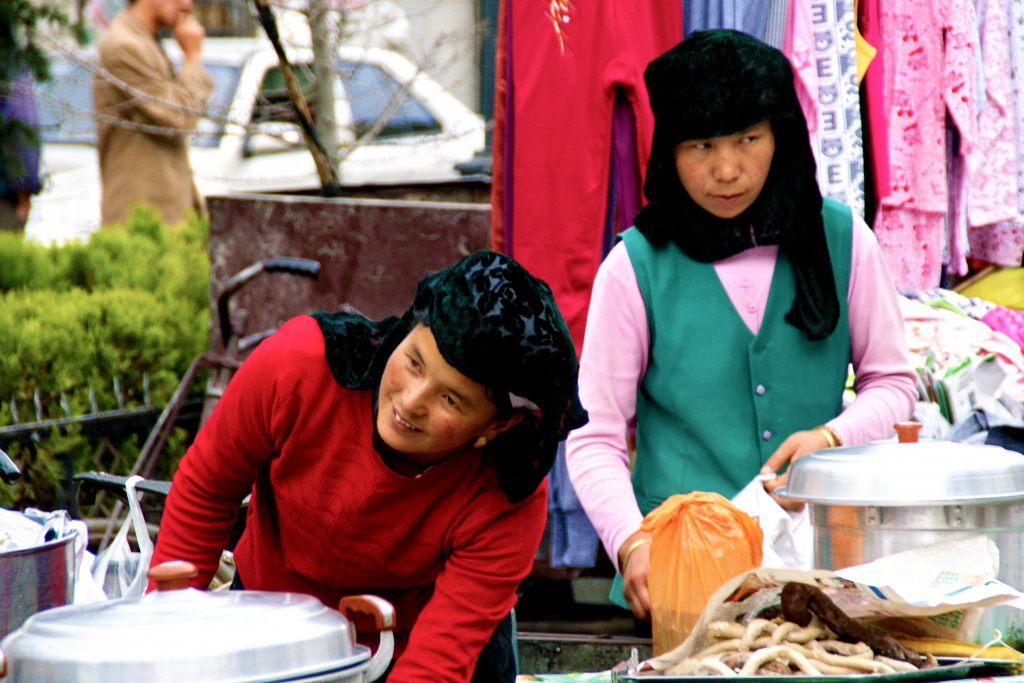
396	126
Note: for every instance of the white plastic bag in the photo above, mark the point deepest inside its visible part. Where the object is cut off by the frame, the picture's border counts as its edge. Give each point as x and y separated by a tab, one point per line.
120	570
788	536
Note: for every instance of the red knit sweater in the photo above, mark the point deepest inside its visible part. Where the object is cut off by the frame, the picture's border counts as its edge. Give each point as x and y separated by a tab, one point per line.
328	518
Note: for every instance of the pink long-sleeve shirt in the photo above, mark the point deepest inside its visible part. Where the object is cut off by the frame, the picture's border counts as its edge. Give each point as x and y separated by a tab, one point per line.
614	360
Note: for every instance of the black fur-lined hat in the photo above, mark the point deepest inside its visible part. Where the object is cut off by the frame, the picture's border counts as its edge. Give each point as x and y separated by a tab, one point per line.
720	82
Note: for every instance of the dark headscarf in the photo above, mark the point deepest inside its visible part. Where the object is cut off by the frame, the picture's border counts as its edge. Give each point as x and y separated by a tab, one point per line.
721	82
496	324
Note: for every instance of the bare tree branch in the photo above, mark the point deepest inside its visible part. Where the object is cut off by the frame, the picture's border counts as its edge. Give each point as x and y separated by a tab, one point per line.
328	177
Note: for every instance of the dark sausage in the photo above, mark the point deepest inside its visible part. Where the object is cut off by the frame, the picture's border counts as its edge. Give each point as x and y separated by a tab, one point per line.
800	601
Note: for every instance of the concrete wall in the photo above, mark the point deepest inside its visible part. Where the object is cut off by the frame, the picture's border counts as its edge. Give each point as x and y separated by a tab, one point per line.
372	252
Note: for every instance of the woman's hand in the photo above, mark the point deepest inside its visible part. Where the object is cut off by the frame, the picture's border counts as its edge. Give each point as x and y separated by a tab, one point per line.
796	446
634	564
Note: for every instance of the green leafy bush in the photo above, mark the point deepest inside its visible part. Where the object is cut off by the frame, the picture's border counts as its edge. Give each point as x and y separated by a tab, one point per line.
78	320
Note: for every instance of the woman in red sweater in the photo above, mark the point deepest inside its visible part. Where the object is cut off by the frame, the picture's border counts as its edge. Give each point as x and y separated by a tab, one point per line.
404	458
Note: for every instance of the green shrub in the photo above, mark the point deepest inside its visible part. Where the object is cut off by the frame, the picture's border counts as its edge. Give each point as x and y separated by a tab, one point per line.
130	306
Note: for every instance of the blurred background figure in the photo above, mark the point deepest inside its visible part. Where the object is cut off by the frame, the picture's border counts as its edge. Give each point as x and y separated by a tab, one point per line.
19	170
146	108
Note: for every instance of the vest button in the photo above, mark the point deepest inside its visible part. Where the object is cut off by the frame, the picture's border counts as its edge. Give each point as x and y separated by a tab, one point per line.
766	435
760	389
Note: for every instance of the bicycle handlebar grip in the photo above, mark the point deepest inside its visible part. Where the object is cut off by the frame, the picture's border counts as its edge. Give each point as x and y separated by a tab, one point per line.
278	264
293	265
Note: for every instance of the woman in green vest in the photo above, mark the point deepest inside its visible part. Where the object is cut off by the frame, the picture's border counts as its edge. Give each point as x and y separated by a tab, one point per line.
722	326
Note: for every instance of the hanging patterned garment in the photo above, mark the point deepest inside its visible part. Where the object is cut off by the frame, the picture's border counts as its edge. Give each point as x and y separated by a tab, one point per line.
992	186
995	238
567	63
929	71
840	144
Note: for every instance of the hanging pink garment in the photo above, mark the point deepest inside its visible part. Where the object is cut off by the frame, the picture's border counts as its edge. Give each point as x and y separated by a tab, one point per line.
912	243
798	46
992	186
1002	243
931	71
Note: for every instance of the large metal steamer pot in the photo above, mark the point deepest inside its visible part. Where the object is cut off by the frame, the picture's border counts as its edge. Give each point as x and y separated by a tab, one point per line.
873	500
34	579
180	634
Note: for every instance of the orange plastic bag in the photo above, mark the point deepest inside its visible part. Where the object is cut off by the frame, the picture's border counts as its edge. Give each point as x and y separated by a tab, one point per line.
701	540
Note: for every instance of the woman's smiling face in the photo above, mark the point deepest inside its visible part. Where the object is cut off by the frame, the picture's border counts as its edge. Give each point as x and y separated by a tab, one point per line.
427	409
724	175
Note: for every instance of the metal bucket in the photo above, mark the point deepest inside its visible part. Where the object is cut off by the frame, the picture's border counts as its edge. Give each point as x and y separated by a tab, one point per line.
34	579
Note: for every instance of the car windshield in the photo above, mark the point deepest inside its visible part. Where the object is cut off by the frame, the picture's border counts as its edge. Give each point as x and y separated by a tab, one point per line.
378	102
65	103
372	95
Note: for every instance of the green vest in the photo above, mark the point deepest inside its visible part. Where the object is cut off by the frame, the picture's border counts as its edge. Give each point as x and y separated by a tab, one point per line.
716	400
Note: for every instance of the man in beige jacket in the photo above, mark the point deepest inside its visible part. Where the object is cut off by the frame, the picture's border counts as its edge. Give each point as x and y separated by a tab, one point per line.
145	110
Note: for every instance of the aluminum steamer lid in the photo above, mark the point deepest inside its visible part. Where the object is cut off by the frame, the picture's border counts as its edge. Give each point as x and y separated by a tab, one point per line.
184	635
907	474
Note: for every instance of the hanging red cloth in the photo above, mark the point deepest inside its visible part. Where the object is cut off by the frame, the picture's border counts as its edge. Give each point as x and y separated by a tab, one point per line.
564	65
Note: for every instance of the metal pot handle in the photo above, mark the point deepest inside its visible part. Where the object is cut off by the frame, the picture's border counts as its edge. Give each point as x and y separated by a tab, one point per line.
383	614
